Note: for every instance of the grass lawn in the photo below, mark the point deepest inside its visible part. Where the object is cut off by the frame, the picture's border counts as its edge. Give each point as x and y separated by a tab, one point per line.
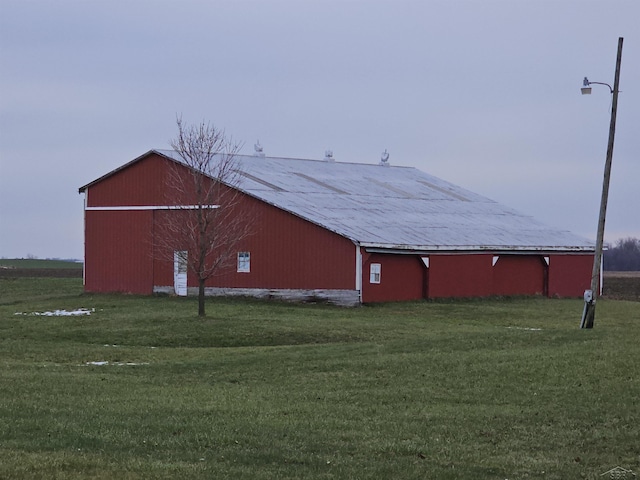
475	389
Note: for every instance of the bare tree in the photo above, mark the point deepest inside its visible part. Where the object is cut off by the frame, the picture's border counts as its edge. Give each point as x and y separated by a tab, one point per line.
624	256
206	225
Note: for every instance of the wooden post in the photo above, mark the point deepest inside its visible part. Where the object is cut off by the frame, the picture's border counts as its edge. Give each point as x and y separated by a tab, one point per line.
589	312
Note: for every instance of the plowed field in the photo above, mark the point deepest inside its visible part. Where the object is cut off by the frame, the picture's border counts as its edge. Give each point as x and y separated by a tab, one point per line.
622	285
41	272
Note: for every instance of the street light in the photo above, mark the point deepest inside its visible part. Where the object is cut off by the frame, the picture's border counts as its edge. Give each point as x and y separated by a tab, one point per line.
586	89
589	312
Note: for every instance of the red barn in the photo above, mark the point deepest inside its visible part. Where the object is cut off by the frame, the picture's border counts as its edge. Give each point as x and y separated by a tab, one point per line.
346	232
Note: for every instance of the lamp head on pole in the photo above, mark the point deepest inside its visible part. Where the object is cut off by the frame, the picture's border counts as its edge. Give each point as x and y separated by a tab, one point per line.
586	89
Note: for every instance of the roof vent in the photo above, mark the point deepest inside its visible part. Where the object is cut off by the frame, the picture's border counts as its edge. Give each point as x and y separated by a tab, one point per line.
384	159
328	156
258	149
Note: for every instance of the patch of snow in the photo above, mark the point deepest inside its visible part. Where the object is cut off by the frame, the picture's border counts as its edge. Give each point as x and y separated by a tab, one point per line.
60	313
120	364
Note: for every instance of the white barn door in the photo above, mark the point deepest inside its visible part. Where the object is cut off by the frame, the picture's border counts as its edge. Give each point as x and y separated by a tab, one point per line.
180	272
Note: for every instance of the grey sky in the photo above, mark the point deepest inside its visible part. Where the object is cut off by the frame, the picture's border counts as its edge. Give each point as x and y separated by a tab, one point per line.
484	94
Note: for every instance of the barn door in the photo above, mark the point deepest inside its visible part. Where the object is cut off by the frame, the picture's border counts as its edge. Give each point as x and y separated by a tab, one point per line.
180	272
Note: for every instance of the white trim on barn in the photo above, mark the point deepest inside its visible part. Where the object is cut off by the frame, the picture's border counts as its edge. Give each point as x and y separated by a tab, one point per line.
471	249
149	207
359	270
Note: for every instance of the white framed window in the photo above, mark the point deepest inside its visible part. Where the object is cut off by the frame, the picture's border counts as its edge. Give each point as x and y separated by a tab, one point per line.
244	262
374	273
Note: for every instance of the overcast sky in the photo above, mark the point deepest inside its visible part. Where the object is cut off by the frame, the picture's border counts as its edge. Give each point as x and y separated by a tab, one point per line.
484	94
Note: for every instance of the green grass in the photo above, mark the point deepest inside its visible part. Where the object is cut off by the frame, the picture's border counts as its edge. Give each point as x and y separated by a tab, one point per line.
38	263
424	390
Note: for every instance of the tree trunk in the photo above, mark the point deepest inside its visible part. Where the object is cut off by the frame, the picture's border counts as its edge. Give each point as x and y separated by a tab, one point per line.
201	312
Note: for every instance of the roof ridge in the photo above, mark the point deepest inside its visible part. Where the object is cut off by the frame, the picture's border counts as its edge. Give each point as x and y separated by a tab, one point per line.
299	159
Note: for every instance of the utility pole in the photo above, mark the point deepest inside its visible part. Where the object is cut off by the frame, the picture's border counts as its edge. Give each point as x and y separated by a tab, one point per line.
589	312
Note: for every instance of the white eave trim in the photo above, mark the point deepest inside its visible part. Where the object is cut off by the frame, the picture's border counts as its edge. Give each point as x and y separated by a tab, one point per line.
496	249
150	207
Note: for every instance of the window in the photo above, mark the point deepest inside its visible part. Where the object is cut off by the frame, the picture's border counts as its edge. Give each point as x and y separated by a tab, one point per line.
374	273
244	262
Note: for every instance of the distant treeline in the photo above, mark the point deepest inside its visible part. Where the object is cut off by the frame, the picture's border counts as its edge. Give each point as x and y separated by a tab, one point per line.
624	256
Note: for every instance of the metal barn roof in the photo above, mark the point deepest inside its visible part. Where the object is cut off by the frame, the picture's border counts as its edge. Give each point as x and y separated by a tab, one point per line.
398	208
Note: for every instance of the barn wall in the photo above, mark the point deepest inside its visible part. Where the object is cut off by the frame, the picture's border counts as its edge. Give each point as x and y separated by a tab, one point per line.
117	251
520	275
401	278
460	276
404	277
286	253
141	183
569	275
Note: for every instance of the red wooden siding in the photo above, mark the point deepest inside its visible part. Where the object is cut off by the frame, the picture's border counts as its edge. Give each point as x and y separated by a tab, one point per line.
401	278
141	183
404	277
519	275
460	276
569	275
286	252
117	251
